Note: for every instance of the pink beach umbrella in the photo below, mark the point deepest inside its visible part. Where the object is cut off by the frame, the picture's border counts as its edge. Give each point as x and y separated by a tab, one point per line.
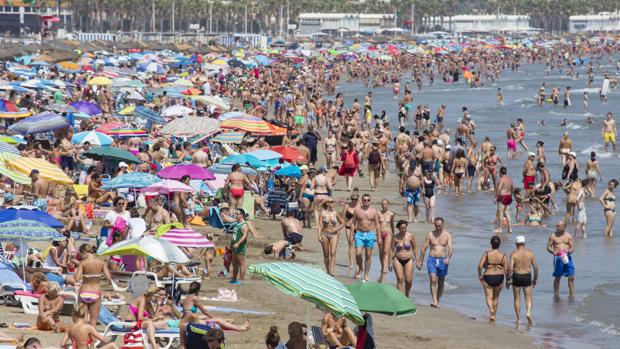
168	186
185	237
193	171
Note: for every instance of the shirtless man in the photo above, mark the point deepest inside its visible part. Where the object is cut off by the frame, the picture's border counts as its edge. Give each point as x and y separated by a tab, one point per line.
529	173
291	228
560	245
441	112
155	214
522	261
503	195
609	131
410	189
40	189
566	146
364	230
440	253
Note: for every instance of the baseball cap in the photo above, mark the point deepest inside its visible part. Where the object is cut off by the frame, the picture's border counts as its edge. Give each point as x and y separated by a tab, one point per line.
573	154
122	164
520	239
531	154
9	197
303	167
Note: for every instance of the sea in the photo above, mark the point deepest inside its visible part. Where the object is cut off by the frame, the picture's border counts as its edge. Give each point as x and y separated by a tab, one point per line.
592	319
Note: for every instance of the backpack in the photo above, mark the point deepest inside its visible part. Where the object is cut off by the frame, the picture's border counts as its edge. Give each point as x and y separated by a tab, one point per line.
349	159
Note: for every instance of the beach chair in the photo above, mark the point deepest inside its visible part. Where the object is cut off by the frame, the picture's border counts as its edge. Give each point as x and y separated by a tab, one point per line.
10	281
215	220
114	327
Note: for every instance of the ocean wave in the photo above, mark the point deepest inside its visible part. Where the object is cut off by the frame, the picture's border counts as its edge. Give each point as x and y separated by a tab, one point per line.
515	87
607	329
574	126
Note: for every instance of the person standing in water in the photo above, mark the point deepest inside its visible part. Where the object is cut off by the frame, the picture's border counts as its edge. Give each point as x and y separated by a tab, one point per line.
609	132
522	262
593	172
503	199
364	231
560	245
440	253
608	201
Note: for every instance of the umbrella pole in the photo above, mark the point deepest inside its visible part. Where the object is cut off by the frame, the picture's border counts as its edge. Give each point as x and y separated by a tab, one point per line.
21	247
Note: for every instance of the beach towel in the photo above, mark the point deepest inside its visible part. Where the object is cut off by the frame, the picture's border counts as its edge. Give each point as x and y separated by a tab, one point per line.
224	295
366	334
133	339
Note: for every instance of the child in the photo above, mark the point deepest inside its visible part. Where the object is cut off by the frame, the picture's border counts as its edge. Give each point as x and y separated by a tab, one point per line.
519	199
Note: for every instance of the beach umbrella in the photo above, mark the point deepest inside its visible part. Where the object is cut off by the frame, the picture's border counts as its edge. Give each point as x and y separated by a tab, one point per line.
374	297
60	108
99	81
185	237
15	176
190	126
212	100
152	67
46	170
68	67
229	137
227	168
134	180
134	95
127	82
7	148
127	110
247	123
107	127
289	171
312	285
93	137
191	91
44	122
243	159
168	186
290	154
111	153
11	140
27	229
193	171
177	110
149	115
183	82
265	154
148	246
10	214
9	110
86	107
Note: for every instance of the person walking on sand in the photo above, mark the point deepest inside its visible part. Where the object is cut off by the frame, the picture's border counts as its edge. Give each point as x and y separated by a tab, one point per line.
440	253
238	246
364	231
560	245
503	199
609	132
495	265
522	261
405	251
350	162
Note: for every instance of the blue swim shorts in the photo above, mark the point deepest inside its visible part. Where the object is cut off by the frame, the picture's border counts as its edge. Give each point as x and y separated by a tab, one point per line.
412	196
53	277
437	266
365	239
560	269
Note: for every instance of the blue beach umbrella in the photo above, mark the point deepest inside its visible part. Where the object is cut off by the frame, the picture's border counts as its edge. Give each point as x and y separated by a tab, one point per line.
93	137
44	122
243	159
11	214
135	180
7	148
27	229
289	171
227	168
149	115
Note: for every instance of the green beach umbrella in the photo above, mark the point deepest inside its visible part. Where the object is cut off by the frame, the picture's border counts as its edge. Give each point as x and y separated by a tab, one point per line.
311	284
374	297
110	153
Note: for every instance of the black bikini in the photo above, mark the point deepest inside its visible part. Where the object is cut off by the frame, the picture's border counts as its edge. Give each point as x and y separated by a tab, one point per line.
494	280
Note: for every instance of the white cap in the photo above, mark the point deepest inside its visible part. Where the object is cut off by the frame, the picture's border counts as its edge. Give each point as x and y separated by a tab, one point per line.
439	142
520	239
573	154
123	164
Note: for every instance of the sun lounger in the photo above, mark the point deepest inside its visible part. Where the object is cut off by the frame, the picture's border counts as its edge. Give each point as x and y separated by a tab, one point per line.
215	220
30	301
115	327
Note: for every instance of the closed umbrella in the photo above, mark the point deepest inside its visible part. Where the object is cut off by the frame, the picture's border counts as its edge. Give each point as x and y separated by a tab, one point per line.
149	115
10	214
148	246
44	122
134	180
374	297
110	153
190	126
168	186
312	285
46	170
193	171
93	137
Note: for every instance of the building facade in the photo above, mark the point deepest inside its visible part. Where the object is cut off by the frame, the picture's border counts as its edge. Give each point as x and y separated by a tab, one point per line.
19	17
335	23
486	23
602	22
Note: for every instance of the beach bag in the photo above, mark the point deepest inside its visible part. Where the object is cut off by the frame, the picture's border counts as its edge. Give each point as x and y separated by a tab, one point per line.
133	339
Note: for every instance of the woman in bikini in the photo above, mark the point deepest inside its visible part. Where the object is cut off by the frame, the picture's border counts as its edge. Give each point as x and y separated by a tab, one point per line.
384	239
608	201
491	162
90	271
347	213
329	223
405	251
307	195
137	312
236	183
428	189
322	189
192	304
494	263
459	165
83	335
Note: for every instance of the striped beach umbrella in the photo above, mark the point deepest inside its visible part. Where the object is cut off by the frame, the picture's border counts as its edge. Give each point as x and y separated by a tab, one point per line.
177	110
27	229
9	110
44	122
190	126
186	237
149	115
12	140
312	285
247	123
93	137
46	170
134	180
15	176
7	148
229	137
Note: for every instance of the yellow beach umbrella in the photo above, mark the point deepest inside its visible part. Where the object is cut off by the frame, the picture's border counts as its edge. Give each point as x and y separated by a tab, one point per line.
69	65
128	110
183	82
100	81
48	171
219	62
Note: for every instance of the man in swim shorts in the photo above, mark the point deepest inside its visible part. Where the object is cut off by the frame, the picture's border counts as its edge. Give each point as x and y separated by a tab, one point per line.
560	245
529	173
365	224
520	267
504	191
609	131
440	253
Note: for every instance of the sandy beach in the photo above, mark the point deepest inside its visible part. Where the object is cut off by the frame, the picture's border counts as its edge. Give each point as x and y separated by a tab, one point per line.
432	328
